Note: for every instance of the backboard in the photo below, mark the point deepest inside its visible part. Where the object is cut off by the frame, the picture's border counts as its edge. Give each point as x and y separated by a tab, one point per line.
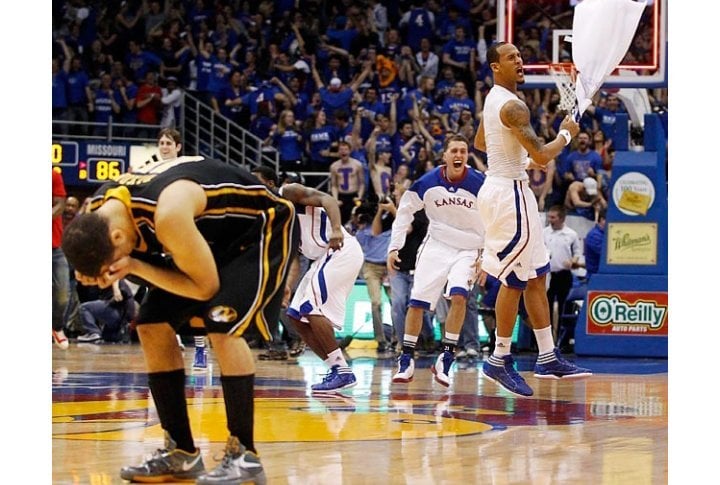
539	27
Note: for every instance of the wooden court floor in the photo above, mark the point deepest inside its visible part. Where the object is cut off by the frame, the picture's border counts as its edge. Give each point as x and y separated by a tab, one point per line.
611	428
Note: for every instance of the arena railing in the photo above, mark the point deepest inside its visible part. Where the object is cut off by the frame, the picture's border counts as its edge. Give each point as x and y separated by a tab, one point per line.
203	132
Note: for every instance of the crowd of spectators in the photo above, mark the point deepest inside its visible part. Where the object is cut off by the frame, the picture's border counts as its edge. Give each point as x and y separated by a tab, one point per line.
305	75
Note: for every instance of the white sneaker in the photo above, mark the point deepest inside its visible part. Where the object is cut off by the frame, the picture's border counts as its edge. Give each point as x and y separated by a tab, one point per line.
406	369
441	368
89	337
472	353
60	339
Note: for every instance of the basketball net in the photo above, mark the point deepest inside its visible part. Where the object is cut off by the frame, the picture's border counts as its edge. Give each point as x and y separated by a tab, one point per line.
564	75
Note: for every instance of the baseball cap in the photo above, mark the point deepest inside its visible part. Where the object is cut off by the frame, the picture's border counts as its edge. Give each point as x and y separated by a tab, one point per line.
590	185
384	149
301	65
335	82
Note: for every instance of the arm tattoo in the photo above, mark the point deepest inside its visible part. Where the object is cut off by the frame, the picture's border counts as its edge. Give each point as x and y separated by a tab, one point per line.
517	116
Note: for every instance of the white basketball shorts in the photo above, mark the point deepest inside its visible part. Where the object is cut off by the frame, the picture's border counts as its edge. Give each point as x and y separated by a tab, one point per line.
438	264
514	248
325	288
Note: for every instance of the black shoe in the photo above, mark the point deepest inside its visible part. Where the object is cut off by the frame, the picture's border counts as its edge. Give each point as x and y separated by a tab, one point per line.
274	355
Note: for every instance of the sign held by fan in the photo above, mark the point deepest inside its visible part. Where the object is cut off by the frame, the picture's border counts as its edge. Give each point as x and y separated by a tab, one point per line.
601	36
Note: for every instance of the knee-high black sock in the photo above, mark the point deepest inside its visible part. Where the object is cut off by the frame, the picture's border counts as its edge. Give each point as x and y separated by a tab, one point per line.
240	407
168	392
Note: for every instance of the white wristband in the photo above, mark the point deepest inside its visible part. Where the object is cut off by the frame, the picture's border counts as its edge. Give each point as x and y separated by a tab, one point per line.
565	134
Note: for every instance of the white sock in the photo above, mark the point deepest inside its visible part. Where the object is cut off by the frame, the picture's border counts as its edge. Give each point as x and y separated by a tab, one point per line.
336	358
544	339
199	341
451	338
502	345
410	340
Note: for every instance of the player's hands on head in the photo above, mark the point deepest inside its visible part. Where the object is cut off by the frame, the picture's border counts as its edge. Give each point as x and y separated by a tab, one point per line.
120	268
116	271
86	280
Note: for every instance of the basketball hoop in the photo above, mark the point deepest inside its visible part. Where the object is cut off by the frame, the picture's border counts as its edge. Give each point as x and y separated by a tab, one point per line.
564	75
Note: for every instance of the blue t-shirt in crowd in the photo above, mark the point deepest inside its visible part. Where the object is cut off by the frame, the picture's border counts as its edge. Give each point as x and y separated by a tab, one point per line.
459	51
593	248
288	145
260	126
368	119
419	26
103	105
142	63
229	93
332	101
220	77
204	67
454	106
77	82
320	139
581	163
129	115
343	37
59	90
425	103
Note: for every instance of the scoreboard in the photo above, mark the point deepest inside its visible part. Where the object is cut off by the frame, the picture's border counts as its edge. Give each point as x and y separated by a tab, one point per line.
89	163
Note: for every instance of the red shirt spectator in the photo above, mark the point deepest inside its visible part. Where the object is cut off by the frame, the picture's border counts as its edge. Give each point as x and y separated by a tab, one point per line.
58	192
149	104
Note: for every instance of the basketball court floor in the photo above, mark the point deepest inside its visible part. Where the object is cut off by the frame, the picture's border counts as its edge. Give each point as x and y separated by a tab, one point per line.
611	428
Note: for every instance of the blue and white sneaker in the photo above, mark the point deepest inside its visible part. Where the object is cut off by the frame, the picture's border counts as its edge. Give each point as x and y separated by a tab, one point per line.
502	371
406	369
441	368
336	379
553	366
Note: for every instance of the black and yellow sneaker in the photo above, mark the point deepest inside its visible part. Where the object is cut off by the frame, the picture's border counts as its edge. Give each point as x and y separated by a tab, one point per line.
167	465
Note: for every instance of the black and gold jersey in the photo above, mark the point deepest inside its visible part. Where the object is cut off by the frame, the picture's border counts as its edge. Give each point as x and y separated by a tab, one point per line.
238	204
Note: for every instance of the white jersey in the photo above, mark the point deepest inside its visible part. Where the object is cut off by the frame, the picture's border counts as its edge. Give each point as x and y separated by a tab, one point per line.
451	209
506	156
326	286
315	230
